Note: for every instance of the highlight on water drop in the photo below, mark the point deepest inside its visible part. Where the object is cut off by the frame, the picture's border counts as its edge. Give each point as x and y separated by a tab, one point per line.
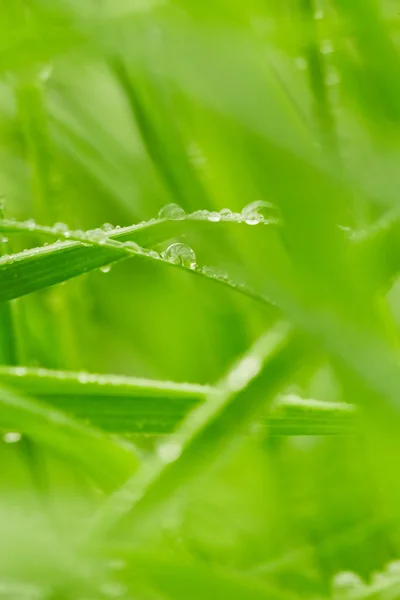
214	217
172	212
260	211
180	254
105	269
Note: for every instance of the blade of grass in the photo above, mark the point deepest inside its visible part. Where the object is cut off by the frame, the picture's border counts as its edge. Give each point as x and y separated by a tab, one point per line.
35	269
105	460
127	405
207	431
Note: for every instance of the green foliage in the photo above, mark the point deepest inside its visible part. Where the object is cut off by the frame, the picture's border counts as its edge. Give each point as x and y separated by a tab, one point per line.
200	400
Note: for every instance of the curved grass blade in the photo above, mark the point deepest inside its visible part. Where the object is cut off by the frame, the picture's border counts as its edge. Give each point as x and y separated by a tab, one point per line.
129	405
41	267
105	460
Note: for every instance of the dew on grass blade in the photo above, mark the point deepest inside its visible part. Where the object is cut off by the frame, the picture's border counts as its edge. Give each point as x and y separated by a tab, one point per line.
132	246
214	217
226	214
172	211
180	254
105	269
170	451
97	235
153	254
107	227
30	224
260	211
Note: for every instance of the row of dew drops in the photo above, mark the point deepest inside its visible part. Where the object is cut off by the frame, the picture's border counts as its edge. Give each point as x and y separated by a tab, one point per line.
258	212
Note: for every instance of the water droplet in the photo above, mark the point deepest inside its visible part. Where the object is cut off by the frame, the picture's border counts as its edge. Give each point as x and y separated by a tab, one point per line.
172	211
97	235
60	228
107	227
153	254
199	214
4	240
261	210
214	217
12	437
326	47
30	224
346	581
105	269
78	233
168	452
208	271
226	214
132	246
83	377
180	254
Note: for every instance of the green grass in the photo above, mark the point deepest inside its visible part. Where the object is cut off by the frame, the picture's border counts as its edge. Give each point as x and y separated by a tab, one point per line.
199	399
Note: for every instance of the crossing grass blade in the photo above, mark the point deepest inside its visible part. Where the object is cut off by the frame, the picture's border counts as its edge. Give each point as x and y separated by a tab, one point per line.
208	431
128	405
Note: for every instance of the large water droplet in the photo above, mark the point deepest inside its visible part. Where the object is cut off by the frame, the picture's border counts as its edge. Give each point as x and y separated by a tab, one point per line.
180	254
260	211
170	451
172	211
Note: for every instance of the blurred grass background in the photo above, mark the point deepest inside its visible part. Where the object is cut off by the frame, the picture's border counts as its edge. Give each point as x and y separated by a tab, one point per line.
111	109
